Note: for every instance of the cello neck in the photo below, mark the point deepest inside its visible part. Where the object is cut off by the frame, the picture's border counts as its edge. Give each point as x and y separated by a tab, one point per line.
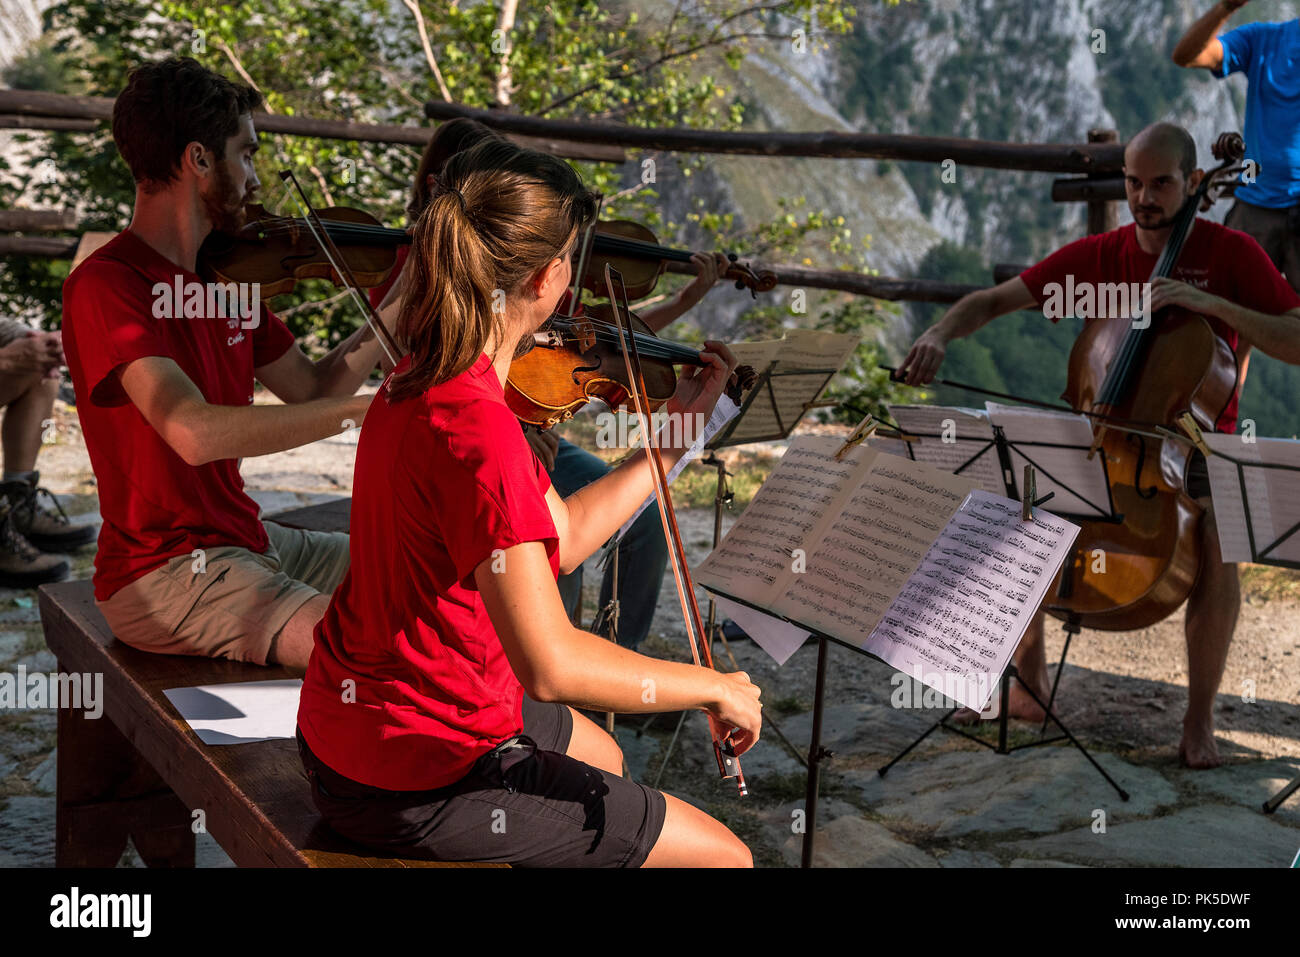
1181	228
1115	386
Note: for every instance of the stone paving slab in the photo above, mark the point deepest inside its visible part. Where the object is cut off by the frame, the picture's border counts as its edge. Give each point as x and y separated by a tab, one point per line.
1037	790
27	832
845	838
862	728
11	643
1205	836
1246	785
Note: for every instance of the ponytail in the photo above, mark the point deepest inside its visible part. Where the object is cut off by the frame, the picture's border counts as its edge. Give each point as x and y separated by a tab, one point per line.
499	215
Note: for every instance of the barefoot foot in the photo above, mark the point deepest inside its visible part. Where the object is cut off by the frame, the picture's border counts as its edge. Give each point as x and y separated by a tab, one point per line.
1023	706
1198	748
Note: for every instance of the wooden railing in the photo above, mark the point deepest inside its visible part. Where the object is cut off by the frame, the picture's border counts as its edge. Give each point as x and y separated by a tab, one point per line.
1099	161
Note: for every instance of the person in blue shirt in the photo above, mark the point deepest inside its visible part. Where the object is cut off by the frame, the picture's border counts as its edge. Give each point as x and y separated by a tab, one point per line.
1267	203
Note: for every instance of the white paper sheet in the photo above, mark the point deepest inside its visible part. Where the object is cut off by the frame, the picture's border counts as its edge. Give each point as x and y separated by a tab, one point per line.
958	619
970	436
1274	496
799	349
778	638
1081	489
239	713
723	412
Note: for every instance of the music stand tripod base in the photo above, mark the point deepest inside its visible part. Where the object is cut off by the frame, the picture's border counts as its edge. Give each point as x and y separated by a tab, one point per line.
1001	747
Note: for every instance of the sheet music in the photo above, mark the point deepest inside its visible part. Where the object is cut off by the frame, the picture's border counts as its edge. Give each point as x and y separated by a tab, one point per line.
754	562
1274	496
968	605
872	546
782	402
239	713
1079	482
972	433
903	560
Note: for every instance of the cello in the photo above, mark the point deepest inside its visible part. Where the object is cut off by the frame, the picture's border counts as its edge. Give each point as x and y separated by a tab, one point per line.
1134	380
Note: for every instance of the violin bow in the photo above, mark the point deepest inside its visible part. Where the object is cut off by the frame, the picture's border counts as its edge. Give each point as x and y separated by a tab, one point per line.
341	268
723	748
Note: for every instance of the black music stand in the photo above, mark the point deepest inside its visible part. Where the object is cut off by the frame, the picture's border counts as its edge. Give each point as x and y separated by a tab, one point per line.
761	393
1264	556
1002	449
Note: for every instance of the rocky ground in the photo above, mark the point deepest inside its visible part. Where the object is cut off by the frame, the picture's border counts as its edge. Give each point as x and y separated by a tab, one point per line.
948	803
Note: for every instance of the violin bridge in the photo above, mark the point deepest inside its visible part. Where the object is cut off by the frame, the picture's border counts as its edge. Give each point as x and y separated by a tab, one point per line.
584	333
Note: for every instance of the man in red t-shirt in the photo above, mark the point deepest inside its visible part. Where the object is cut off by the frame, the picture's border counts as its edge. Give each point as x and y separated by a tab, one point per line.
164	364
1222	274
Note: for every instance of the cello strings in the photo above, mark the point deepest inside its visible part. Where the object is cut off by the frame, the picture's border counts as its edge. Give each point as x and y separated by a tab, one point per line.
1130	351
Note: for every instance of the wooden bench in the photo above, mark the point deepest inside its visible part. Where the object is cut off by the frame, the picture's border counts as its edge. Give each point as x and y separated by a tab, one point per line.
139	770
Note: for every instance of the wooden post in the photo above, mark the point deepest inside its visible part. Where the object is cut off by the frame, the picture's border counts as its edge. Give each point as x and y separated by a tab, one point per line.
1103	214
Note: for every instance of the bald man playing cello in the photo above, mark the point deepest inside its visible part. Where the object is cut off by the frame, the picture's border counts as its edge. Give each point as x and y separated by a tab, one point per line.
1221	274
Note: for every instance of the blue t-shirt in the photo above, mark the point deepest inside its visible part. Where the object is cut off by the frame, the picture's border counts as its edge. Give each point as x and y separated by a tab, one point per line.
1269	55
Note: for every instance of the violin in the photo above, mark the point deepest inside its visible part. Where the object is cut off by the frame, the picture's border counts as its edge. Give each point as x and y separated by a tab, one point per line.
277	251
633	252
576	358
578	353
1126	376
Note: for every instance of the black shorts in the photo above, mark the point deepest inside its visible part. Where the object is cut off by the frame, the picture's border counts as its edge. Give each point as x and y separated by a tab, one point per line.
524	803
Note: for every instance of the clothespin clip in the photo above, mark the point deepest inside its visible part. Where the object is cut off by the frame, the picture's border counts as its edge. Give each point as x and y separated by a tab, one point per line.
859	435
1029	499
1189	426
1097	438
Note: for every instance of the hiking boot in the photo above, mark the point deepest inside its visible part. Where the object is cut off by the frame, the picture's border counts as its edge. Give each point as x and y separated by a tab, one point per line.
49	529
22	564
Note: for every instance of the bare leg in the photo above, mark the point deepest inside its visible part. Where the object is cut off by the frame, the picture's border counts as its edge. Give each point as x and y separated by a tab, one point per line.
292	646
27	410
592	745
691	838
1212	610
1031	662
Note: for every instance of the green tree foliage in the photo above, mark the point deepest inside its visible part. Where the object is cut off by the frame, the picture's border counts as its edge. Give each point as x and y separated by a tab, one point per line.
1023	354
365	60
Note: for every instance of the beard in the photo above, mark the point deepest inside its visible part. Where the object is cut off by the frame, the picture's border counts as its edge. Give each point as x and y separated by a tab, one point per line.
1153	219
224	204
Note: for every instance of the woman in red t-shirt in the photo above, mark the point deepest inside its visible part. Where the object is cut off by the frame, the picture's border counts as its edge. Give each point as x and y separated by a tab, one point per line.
431	720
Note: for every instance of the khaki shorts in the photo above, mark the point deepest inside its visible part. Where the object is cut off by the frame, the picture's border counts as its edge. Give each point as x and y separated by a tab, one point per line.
236	606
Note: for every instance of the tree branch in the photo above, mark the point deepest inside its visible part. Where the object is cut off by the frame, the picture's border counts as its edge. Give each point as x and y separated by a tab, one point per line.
505	24
661	60
414	7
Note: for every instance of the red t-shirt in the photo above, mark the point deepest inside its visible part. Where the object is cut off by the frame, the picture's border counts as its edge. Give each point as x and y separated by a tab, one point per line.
1222	261
155	506
377	293
408	684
